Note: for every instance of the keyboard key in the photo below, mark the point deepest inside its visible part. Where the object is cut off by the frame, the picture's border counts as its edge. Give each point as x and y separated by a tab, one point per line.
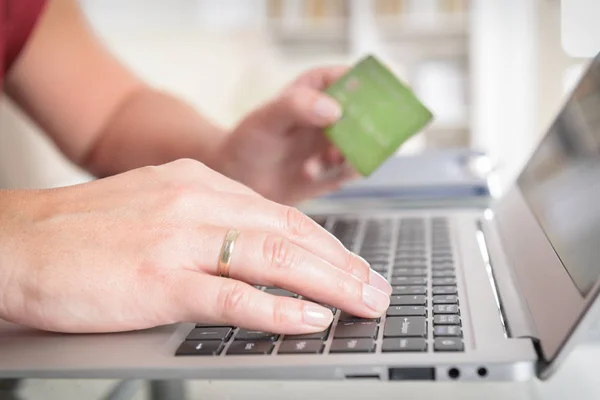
443	281
443	319
440	232
245	334
408	281
209	333
416	300
403	290
443	267
379	267
410	259
445	273
405	327
367	329
447	330
249	347
411	235
352	346
400	254
410	264
209	325
199	348
444	290
445	309
341	226
448	344
445	299
409	272
344	316
411	244
280	292
380	258
406	311
366	252
381	246
377	238
374	247
316	335
301	347
408	344
381	271
406	264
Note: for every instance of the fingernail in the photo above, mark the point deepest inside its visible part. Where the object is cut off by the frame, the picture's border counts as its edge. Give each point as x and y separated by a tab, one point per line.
375	279
317	316
327	108
375	299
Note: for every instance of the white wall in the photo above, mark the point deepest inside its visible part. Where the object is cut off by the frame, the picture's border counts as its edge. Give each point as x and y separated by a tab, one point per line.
505	92
228	68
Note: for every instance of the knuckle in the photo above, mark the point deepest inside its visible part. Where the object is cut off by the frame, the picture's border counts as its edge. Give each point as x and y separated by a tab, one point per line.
232	298
150	172
296	223
281	311
356	268
181	196
348	287
295	99
279	252
181	189
185	164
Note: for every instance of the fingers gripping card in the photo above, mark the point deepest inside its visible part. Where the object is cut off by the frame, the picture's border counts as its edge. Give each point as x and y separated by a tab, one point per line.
379	113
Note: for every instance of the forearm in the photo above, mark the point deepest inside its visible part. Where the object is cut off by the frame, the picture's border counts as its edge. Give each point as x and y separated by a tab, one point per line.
149	128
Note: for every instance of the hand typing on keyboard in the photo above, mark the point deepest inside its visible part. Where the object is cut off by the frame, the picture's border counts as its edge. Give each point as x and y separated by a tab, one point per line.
415	253
151	253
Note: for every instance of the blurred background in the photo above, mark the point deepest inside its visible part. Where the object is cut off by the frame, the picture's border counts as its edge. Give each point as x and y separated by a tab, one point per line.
493	72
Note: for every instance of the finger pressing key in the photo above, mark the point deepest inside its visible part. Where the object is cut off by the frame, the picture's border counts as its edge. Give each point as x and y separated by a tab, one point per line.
267	259
302	231
227	301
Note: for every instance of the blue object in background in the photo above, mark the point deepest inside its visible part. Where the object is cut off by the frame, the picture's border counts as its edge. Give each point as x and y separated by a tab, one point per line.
453	177
443	173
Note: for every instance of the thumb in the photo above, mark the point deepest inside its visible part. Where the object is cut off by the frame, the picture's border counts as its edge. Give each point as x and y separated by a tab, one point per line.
301	106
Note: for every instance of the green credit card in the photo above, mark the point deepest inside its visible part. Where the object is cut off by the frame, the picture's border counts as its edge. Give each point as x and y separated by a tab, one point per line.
379	114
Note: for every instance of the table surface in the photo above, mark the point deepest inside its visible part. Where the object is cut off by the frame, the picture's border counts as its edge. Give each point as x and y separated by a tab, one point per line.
577	379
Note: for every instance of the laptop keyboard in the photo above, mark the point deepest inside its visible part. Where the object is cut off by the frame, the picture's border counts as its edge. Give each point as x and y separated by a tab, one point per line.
415	255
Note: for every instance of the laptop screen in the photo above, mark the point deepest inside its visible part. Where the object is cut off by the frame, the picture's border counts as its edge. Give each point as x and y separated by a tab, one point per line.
561	182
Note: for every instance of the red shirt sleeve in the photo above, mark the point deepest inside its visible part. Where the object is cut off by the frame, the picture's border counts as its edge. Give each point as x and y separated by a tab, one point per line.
20	17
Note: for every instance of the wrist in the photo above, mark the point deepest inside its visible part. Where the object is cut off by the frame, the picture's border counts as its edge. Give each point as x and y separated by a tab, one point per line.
8	216
17	210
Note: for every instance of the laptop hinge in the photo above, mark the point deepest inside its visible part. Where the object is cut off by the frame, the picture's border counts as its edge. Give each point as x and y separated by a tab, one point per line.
514	310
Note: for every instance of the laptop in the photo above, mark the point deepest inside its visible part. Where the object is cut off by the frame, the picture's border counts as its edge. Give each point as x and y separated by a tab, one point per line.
500	294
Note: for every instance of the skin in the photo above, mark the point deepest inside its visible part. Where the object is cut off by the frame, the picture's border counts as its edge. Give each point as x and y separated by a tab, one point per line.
139	247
